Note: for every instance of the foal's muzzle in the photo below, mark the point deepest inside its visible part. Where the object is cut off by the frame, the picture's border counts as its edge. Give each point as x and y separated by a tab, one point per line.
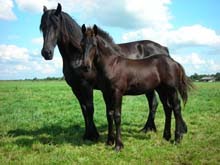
85	68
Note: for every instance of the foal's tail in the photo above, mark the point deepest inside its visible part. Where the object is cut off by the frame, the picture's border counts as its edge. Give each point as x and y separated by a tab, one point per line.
184	85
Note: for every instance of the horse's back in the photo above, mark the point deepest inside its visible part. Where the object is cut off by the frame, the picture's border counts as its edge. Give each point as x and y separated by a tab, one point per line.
142	49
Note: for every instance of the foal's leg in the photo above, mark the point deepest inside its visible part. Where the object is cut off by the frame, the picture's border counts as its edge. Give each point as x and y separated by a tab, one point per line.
181	127
117	100
110	118
168	114
85	96
153	103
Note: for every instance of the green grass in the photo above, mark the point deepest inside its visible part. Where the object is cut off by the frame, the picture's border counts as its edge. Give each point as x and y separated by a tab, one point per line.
41	123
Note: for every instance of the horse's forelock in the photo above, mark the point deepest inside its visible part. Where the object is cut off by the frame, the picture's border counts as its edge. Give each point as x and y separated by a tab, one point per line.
49	18
89	32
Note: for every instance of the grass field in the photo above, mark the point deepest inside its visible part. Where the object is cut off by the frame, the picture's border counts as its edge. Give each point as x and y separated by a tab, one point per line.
41	123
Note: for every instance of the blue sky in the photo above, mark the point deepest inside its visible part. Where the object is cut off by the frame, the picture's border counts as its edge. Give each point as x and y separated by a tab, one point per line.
190	29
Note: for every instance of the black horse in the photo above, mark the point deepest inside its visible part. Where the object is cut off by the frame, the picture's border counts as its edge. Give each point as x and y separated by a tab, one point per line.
60	29
121	76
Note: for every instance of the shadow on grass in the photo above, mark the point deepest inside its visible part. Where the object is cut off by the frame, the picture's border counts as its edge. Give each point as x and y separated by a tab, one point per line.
54	135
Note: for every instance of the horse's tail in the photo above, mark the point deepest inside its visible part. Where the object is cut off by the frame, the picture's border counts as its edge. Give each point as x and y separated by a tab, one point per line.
184	85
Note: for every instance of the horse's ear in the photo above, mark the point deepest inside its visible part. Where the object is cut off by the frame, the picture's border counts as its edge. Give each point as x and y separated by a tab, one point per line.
44	9
95	29
59	9
83	28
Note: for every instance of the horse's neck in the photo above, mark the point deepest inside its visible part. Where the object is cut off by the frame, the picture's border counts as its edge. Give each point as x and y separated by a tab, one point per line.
72	57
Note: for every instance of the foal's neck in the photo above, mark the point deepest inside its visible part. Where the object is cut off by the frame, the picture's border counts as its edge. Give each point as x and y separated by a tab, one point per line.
108	56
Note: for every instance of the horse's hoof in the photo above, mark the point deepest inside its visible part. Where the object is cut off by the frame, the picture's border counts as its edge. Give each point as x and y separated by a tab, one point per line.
91	137
167	136
148	129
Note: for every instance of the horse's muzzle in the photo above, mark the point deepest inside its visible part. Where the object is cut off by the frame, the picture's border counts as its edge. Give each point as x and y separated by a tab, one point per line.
47	54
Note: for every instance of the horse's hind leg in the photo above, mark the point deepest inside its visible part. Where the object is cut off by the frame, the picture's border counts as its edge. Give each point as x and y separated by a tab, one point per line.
181	127
153	103
168	112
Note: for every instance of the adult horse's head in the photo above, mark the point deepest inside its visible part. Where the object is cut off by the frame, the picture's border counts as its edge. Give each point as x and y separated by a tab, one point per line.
89	46
50	26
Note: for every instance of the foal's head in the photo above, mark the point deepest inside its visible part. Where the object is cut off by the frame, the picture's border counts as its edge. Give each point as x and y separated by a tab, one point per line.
50	26
89	46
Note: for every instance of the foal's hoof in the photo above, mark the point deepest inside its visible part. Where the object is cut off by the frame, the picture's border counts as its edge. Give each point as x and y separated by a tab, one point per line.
118	148
110	142
184	128
110	139
178	137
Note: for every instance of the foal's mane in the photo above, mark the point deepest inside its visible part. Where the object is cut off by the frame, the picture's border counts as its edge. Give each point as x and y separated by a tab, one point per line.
105	35
70	30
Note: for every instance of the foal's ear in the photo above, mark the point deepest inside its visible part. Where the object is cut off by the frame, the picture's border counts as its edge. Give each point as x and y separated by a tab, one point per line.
95	29
44	9
83	28
59	9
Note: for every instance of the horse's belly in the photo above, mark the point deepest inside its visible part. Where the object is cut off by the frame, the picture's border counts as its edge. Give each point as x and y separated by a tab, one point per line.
136	89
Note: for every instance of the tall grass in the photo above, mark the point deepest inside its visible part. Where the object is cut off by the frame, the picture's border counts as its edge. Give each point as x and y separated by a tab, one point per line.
41	123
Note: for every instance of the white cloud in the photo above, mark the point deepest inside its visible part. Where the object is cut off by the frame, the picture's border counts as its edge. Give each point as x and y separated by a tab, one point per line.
57	62
37	6
43	67
124	13
31	6
18	61
214	66
22	68
150	13
193	58
129	14
195	35
195	63
38	41
13	53
6	12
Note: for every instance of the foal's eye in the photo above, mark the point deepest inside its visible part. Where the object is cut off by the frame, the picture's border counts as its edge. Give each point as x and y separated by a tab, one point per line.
82	44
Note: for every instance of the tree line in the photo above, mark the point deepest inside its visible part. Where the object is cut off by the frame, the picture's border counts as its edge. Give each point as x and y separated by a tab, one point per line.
199	77
194	77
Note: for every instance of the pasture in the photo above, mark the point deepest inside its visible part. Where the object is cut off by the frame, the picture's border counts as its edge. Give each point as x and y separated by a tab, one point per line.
41	123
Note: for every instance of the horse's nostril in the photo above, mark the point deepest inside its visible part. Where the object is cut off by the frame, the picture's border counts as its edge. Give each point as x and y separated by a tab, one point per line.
49	52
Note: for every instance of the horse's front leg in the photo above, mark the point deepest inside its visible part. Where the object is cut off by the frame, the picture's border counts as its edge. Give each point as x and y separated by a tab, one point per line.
84	94
117	101
110	118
